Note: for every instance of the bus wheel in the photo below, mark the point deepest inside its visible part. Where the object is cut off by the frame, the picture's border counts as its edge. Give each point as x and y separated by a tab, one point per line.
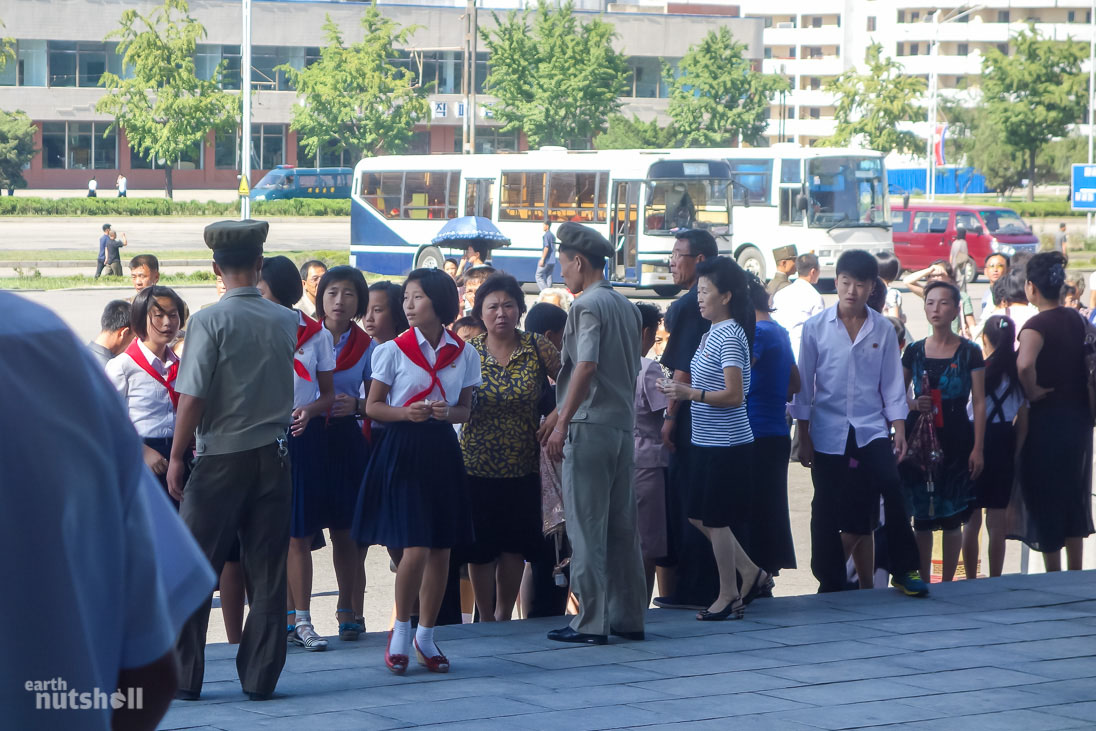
666	290
751	260
429	258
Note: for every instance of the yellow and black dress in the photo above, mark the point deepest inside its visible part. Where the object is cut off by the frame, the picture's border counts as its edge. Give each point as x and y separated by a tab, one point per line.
501	453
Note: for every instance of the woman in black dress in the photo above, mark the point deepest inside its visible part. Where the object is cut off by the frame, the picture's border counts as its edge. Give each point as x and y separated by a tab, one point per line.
1056	458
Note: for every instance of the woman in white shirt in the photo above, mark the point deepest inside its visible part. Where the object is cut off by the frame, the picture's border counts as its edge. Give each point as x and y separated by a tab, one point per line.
413	496
313	395
144	374
721	435
1006	426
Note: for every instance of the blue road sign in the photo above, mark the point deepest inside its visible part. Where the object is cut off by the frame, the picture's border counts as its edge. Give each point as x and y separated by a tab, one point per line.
1083	187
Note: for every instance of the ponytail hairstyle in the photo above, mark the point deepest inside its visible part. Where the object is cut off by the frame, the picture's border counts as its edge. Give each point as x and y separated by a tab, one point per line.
728	276
758	294
1000	331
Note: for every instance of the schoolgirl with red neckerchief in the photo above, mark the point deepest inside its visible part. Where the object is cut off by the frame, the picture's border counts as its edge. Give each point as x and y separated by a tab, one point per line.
413	495
144	374
342	298
313	395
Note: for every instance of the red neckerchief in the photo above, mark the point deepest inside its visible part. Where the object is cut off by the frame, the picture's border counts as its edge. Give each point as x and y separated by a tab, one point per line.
357	342
134	351
304	334
409	344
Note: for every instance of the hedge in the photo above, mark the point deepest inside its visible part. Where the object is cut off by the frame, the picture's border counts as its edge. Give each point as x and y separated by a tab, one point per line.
17	206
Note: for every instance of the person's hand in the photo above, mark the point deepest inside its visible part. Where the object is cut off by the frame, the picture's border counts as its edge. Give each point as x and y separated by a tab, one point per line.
900	447
554	446
175	484
418	412
1038	393
668	435
155	461
344	406
924	404
546	428
300	421
806	449
975	463
674	389
439	410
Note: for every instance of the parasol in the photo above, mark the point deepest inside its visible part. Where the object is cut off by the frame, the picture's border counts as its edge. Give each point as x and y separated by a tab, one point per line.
475	231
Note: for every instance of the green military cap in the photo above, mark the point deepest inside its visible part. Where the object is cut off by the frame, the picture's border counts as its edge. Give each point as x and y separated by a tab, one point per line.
236	235
785	252
584	240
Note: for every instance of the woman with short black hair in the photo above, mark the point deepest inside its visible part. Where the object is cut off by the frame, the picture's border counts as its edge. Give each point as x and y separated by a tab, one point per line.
500	446
1056	458
413	495
144	374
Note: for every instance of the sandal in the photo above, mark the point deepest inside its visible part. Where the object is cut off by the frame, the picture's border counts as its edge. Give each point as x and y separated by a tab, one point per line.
350	631
734	610
763	583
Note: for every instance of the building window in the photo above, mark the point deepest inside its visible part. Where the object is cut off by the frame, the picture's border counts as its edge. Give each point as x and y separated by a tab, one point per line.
646	77
964	49
815	113
914	49
226	152
79	146
189	160
53	145
1071	17
267	146
816	83
76	64
871	23
901	16
816	21
1002	16
768	52
915	16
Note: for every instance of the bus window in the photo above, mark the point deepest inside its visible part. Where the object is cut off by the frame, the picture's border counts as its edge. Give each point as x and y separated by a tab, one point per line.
522	196
789	204
757	177
382	191
426	195
686	204
791	171
479	197
574	197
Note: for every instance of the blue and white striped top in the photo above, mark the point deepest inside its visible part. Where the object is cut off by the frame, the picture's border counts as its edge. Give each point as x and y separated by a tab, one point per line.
724	346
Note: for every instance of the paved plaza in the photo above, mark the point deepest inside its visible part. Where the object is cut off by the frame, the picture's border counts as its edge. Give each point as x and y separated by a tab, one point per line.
1017	652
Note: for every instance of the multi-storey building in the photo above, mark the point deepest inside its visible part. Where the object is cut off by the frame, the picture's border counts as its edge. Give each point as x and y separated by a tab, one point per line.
61	55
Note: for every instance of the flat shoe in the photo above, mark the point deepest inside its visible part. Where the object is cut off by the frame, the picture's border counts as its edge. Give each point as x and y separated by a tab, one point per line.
568	634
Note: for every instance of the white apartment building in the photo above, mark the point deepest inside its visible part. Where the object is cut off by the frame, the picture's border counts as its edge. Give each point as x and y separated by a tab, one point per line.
812	42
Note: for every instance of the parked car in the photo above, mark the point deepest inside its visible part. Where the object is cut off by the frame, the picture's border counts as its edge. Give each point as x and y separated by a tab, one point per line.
923	233
288	181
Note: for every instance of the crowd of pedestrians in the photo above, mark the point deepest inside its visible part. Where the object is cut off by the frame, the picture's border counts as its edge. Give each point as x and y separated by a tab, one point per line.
597	449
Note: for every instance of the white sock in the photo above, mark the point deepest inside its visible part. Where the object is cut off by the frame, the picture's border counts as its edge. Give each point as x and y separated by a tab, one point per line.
304	616
401	638
424	636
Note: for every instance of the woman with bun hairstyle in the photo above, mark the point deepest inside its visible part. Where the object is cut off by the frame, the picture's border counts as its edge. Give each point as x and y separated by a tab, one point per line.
1056	458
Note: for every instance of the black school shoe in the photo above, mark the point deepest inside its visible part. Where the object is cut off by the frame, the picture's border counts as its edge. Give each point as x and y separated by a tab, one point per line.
567	634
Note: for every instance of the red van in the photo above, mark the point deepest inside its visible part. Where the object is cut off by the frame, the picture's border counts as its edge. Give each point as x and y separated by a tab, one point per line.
923	233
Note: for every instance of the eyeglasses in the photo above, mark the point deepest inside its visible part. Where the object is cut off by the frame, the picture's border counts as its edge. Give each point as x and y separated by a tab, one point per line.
678	255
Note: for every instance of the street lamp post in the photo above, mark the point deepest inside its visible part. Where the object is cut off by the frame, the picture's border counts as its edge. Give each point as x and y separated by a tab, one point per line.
245	121
1091	91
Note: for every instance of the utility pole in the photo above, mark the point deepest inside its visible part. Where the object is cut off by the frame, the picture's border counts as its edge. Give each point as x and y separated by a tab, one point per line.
245	121
468	82
1091	91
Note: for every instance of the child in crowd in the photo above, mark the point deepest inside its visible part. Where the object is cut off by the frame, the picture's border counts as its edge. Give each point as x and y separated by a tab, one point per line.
889	269
468	327
651	457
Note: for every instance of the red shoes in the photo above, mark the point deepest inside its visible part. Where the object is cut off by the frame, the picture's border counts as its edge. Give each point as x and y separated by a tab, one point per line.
436	664
397	663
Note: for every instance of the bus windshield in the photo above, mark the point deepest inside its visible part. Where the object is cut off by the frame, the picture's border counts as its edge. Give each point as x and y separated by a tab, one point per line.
683	203
845	192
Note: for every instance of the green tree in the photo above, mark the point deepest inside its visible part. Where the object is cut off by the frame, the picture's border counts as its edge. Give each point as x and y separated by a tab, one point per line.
872	104
354	98
558	80
16	148
162	104
635	134
1033	96
1002	164
716	98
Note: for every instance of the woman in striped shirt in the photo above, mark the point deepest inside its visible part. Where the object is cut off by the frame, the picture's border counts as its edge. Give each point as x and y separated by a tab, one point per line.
721	435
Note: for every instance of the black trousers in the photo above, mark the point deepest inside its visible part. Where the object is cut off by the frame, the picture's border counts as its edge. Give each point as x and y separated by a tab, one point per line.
840	491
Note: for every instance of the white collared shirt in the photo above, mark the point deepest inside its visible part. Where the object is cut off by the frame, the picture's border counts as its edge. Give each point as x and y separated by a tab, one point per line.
146	399
793	306
405	379
316	355
849	383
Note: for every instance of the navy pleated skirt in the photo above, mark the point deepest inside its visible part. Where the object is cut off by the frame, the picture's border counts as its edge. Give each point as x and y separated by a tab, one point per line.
414	492
308	465
348	456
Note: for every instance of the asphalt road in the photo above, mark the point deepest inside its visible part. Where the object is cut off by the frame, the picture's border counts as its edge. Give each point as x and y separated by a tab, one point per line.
81	308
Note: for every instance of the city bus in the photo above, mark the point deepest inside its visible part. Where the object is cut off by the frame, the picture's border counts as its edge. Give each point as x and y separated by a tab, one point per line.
825	200
635	198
